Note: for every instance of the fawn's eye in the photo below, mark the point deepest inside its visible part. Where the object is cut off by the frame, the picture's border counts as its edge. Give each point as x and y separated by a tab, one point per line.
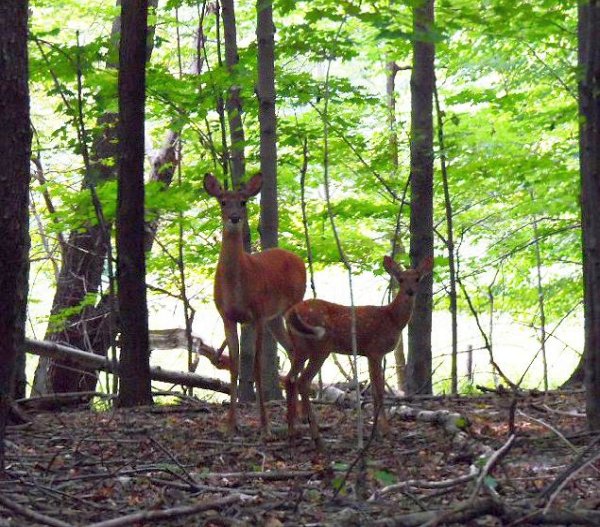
223	203
243	203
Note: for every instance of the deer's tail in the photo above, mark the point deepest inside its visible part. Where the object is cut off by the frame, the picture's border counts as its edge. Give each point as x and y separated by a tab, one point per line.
299	326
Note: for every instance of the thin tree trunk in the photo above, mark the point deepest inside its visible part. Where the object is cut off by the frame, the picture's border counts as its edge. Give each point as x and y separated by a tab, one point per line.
541	296
135	387
82	266
233	106
15	152
449	244
233	103
392	70
265	33
418	368
589	144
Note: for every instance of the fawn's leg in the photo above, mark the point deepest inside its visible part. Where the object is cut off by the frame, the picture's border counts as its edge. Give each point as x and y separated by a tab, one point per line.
259	327
233	344
377	384
314	365
291	391
278	331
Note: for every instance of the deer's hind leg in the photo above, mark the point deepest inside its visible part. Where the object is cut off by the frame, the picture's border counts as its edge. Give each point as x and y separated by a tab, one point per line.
277	329
314	365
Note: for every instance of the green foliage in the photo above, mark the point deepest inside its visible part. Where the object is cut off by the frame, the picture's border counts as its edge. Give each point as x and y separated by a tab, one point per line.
385	477
506	77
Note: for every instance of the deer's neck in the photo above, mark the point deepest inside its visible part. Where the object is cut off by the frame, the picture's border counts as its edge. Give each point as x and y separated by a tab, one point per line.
401	308
231	257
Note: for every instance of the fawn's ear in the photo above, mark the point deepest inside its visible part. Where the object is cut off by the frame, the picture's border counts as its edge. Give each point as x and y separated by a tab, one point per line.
390	266
425	266
212	185
252	188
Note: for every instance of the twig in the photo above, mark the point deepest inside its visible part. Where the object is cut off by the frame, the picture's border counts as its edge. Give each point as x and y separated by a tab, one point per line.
554	489
424	484
12	505
175	512
491	463
275	475
551	428
471	502
471	510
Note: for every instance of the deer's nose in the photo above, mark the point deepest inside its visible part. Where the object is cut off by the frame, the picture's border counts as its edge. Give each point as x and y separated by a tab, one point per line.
234	219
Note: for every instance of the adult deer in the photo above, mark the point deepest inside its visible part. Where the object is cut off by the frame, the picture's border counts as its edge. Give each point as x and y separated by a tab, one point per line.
318	328
253	288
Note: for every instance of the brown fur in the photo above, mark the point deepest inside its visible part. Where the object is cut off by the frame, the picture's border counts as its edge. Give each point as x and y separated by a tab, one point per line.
318	328
251	288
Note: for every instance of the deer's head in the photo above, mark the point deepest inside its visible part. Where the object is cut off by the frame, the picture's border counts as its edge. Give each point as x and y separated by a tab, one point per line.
232	202
408	279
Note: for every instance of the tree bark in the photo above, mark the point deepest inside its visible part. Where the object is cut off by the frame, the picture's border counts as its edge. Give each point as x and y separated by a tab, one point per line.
135	387
82	266
576	378
233	103
269	219
418	368
589	144
390	89
452	294
15	152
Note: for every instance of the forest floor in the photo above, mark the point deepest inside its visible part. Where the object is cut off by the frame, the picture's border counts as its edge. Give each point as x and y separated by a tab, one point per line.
175	466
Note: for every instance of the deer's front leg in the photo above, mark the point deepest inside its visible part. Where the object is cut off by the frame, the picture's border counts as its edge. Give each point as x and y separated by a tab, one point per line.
377	385
259	327
231	336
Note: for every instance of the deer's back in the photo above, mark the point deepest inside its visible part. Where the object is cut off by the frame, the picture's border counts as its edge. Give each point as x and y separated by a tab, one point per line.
267	285
376	330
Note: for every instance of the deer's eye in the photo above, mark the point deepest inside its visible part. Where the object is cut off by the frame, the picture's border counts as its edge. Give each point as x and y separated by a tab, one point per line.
400	280
243	203
223	203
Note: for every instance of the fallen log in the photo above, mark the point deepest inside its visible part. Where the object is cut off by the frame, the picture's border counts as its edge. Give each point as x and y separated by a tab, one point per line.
54	350
174	338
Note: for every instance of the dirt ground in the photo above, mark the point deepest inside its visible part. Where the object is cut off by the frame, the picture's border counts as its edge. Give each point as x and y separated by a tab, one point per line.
176	466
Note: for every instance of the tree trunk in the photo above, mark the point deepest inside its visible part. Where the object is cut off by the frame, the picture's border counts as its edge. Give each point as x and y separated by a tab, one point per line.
577	378
265	33
233	103
418	368
82	266
452	295
135	387
589	144
15	152
390	88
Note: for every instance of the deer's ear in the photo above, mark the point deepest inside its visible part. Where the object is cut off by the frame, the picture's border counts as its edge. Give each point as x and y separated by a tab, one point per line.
426	266
390	266
212	185
252	188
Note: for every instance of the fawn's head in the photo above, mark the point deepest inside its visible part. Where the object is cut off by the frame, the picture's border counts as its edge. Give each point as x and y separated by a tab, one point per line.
232	202
408	279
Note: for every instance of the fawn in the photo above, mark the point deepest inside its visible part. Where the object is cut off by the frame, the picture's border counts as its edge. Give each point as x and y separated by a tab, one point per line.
318	328
253	288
